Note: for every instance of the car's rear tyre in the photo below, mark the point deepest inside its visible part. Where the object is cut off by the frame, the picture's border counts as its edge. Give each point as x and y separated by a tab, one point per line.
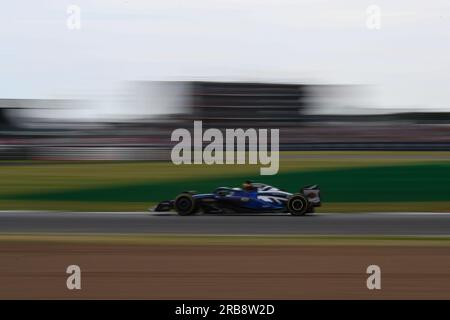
297	205
185	204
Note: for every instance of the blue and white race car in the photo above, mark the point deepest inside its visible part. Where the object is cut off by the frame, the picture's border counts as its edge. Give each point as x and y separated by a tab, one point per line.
251	198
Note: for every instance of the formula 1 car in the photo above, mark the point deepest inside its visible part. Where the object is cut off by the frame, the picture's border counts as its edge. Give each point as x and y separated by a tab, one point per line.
253	198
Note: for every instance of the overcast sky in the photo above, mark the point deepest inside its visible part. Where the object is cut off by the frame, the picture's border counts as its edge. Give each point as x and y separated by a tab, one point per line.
407	60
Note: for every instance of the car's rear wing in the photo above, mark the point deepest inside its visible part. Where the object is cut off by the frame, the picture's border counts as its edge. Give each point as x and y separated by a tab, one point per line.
312	193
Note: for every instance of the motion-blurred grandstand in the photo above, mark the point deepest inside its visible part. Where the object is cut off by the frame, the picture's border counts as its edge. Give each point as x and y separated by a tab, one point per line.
219	105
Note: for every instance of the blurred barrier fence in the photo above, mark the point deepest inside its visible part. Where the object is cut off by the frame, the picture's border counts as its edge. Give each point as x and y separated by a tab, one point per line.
103	153
88	153
14	153
162	153
372	146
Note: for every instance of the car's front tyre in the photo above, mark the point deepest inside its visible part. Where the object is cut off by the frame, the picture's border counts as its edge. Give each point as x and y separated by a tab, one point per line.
297	205
185	204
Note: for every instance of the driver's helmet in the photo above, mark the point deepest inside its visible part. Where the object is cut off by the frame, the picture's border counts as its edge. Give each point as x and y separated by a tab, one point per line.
248	186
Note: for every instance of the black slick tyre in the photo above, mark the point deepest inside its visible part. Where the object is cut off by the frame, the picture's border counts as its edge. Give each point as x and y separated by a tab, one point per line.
297	205
185	204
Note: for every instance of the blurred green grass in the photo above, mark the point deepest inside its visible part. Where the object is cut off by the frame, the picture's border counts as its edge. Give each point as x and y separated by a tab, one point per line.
350	181
226	240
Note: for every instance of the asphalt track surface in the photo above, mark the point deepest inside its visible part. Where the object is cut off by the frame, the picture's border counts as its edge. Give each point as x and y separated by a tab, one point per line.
166	223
